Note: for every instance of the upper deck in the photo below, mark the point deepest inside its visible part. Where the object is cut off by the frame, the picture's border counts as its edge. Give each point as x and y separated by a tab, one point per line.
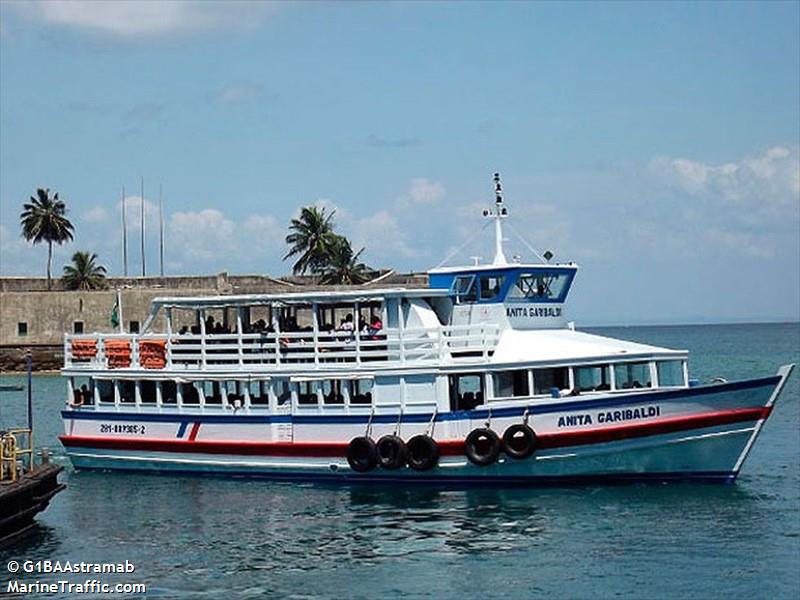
503	312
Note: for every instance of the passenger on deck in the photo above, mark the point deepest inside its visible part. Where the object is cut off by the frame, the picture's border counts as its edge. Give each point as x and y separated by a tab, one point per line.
375	324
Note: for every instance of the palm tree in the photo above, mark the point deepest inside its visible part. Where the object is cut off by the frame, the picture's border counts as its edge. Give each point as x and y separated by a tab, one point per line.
44	220
84	273
342	267
311	237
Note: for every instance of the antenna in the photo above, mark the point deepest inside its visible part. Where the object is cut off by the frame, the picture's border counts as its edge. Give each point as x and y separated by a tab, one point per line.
144	269
124	235
161	228
499	213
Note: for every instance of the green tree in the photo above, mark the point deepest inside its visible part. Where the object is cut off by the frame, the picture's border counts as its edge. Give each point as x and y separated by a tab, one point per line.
311	237
44	220
342	266
84	273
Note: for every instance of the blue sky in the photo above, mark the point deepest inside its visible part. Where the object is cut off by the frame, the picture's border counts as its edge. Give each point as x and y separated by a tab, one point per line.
654	144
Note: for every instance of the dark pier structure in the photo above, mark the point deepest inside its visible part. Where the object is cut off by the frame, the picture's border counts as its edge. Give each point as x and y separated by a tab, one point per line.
26	486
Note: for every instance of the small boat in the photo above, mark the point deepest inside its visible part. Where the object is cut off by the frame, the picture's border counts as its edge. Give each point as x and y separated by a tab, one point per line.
26	486
478	377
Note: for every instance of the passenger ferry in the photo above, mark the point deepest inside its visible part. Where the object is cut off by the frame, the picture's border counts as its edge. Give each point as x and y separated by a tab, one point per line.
478	377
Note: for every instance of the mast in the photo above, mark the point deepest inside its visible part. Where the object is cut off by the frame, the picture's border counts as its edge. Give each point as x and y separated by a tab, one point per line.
144	270
499	213
161	228
124	235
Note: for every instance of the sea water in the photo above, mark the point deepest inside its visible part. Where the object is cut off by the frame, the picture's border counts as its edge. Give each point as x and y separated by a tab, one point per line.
217	537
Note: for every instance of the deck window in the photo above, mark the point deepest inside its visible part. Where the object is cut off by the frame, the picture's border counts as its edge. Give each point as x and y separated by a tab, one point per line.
592	379
632	375
332	391
169	392
258	393
464	289
147	390
306	394
361	391
105	389
670	373
127	391
509	384
190	393
466	391
283	392
540	286
545	380
490	286
234	393
212	392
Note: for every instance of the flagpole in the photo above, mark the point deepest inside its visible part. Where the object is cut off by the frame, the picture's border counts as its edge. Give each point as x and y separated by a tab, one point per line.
124	236
144	270
161	228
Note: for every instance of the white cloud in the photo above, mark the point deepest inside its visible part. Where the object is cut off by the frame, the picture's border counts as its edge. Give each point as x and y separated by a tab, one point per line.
423	191
96	214
133	213
131	19
236	94
204	234
768	184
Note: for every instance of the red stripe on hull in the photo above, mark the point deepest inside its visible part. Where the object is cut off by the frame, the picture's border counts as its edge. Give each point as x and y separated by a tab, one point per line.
446	447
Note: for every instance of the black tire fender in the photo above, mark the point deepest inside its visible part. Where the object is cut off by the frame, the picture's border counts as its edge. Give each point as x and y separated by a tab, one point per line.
422	453
362	455
482	446
519	441
391	451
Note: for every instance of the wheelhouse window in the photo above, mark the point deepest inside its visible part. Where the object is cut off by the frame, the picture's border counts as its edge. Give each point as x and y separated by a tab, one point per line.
361	391
670	373
464	289
545	380
592	379
540	286
466	391
508	384
490	286
632	375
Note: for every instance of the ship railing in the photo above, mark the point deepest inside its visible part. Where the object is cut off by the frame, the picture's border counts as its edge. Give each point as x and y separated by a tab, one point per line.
301	349
16	453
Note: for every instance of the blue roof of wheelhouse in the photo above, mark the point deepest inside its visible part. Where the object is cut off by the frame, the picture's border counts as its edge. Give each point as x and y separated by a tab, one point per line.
522	280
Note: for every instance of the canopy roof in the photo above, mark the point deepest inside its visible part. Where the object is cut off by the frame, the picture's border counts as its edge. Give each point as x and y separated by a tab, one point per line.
570	346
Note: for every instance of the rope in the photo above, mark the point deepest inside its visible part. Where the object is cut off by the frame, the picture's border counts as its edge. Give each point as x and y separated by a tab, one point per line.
524	241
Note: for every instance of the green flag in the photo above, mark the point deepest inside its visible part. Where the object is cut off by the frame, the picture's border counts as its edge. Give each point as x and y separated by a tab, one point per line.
115	313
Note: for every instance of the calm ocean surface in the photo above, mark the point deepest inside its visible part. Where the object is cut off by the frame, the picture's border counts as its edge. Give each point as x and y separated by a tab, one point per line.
195	537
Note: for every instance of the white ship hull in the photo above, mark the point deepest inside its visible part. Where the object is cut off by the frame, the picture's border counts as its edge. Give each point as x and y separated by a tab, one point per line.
691	433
